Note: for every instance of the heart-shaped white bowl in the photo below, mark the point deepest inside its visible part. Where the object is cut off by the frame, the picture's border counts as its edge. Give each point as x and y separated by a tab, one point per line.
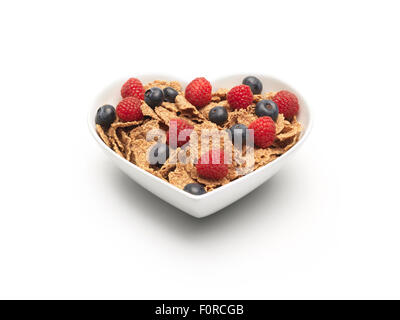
204	205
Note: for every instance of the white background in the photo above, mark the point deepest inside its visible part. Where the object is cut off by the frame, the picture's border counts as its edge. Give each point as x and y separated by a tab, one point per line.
73	226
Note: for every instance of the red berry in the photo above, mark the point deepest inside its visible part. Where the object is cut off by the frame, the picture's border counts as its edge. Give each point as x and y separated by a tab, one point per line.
287	103
133	88
129	109
175	136
198	92
211	165
240	97
264	132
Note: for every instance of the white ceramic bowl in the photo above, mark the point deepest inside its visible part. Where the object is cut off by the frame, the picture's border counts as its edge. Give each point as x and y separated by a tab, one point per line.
204	205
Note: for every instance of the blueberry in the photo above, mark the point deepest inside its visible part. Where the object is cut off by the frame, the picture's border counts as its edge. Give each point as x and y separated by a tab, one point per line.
254	84
154	97
237	131
195	188
158	154
105	115
218	115
267	108
170	94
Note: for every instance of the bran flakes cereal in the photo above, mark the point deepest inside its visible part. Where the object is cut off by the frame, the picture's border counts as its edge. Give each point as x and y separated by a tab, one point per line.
280	123
112	133
170	106
126	140
206	109
165	115
141	131
102	135
140	148
269	95
114	146
148	112
186	108
244	117
163	84
180	177
290	130
166	168
130	140
116	125
258	97
219	95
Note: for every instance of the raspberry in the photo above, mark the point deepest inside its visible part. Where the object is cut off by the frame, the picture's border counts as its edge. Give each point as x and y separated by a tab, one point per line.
129	109
198	92
132	88
264	132
211	165
174	136
240	97
287	103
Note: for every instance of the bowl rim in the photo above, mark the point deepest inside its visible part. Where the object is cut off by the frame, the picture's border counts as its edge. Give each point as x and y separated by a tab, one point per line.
92	129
